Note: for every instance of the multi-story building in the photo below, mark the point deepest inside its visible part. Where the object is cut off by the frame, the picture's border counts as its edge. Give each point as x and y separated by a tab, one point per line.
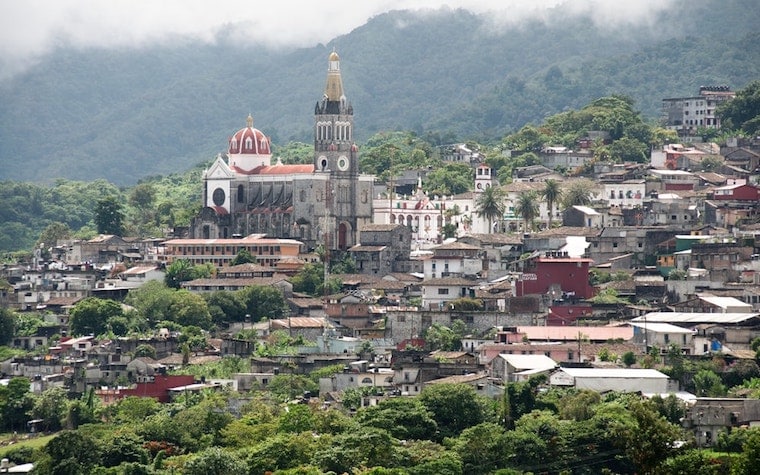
219	252
687	114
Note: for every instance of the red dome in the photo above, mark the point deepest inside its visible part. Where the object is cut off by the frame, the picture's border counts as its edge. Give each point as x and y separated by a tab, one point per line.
249	141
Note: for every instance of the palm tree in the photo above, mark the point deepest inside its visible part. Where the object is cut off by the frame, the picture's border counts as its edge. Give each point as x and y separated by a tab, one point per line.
578	193
552	194
490	205
527	207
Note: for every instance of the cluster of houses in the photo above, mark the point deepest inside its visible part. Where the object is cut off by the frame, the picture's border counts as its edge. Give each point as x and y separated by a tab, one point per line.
666	255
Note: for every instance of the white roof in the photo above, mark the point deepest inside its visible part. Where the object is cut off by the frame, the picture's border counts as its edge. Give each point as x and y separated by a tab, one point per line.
528	362
724	302
614	373
668	196
695	317
661	327
670	172
586	210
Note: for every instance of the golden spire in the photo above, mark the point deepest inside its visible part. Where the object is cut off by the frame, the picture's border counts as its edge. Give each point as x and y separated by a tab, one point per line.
334	87
249	121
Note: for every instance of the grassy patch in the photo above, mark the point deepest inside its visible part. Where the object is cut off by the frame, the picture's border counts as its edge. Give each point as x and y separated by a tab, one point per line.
34	443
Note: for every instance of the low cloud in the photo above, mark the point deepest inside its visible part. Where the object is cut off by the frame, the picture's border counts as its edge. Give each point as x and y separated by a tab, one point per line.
33	28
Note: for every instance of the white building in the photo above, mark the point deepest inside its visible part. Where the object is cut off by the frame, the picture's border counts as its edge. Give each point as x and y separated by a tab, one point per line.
626	194
613	379
426	215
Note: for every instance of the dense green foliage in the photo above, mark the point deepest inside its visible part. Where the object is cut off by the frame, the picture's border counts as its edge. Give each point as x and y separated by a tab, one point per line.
34	214
448	429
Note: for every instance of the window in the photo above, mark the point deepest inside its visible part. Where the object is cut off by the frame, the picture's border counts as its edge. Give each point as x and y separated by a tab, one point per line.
443	291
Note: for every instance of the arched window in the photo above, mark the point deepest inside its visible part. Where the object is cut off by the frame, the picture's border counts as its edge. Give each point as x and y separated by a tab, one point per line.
248	143
240	194
367	380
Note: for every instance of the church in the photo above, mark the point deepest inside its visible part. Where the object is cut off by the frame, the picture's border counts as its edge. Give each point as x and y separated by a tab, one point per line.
326	202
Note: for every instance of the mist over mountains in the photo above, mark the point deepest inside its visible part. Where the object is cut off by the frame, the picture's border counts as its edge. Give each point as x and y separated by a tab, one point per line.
123	114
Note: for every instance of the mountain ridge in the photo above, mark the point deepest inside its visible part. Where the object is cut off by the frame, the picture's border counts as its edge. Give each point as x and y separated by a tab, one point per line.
125	114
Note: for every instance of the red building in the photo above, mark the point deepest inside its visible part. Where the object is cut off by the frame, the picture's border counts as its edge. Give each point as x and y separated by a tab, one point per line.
567	277
158	388
736	192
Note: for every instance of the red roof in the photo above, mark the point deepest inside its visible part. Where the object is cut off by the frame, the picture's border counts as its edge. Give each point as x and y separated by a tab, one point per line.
286	169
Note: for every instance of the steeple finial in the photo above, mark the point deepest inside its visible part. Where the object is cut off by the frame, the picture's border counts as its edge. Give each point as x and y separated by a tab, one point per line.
334	87
249	121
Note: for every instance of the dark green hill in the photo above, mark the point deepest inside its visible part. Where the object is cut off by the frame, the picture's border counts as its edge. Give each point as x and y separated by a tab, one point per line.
125	114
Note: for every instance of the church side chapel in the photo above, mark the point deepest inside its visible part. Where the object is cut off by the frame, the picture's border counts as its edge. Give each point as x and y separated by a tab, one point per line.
326	202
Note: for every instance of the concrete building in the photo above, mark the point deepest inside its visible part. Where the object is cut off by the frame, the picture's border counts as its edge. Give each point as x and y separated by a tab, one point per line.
687	114
617	379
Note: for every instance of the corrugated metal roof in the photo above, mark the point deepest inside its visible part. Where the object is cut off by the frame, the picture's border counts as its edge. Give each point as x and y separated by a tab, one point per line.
662	327
695	317
525	362
614	373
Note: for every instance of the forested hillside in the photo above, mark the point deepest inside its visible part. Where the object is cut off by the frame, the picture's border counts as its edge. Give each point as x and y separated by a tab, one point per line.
124	114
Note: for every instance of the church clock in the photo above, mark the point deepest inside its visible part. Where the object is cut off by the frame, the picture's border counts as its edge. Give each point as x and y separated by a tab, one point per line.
219	197
342	163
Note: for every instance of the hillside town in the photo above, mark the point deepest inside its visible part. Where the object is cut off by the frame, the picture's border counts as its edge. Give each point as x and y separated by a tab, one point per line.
656	262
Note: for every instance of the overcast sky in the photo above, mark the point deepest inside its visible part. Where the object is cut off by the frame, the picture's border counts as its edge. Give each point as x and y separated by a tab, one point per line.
31	28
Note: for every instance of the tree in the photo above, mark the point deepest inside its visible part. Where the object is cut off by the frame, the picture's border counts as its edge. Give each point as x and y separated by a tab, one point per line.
225	306
182	270
72	452
15	401
54	232
124	447
552	193
481	448
91	315
243	257
647	438
152	301
450	179
441	337
189	309
309	279
490	205
578	193
51	407
286	387
455	407
527	207
280	452
711	163
363	447
403	418
215	461
629	358
7	325
145	351
742	113
708	384
264	302
627	149
109	216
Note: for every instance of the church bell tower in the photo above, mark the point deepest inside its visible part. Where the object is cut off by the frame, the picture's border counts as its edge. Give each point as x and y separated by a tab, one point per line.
348	195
